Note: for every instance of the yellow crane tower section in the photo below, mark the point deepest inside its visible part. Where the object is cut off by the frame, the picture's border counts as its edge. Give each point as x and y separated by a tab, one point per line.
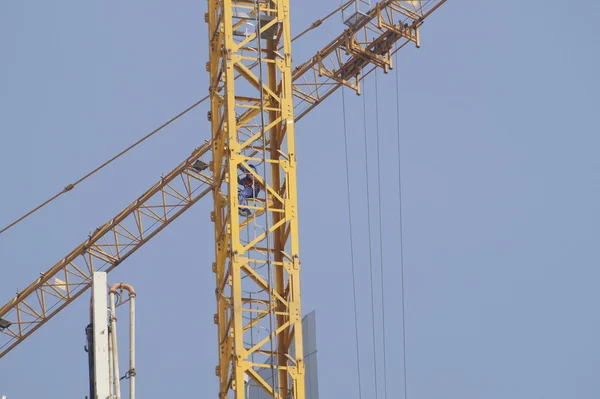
253	124
256	99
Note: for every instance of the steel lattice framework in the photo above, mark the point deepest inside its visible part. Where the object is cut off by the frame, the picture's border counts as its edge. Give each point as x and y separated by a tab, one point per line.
253	123
254	94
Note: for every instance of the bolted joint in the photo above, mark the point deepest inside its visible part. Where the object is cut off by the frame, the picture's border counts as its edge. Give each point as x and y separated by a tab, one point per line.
296	262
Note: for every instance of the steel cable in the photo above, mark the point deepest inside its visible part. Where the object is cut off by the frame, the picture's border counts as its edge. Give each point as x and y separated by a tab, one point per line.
370	240
70	187
351	246
380	238
401	231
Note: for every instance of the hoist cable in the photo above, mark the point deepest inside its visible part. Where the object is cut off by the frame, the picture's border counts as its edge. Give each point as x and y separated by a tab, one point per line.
401	230
72	185
267	234
69	187
318	22
351	245
380	237
370	240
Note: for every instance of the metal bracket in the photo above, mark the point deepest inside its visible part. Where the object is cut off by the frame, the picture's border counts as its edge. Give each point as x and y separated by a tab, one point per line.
352	14
269	34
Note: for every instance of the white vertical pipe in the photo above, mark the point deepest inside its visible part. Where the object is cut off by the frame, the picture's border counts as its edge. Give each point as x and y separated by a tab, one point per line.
110	365
132	345
113	327
131	373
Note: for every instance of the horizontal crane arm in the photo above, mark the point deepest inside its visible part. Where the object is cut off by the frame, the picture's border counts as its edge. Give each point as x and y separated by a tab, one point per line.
369	43
363	46
104	250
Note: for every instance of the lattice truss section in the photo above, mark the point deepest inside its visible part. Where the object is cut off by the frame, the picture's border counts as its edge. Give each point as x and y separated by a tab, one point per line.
104	249
368	43
257	261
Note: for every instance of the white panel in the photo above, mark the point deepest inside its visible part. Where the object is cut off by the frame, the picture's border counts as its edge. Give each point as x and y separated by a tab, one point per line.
100	335
311	380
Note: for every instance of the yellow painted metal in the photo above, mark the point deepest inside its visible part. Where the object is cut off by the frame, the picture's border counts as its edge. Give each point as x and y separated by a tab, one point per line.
257	264
346	60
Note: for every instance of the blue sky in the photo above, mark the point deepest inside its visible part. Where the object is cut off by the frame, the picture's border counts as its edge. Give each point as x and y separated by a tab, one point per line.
499	149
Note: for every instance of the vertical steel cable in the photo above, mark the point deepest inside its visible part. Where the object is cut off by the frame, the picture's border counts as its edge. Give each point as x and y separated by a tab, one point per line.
351	247
264	150
401	230
380	238
370	241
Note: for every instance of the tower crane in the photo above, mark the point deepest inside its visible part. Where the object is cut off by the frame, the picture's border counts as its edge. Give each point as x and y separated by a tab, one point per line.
256	98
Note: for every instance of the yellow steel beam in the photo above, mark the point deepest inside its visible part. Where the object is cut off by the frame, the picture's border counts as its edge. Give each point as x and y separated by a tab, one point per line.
255	109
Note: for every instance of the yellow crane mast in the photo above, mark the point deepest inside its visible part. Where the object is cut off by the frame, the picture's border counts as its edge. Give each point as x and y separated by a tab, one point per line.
253	123
256	99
